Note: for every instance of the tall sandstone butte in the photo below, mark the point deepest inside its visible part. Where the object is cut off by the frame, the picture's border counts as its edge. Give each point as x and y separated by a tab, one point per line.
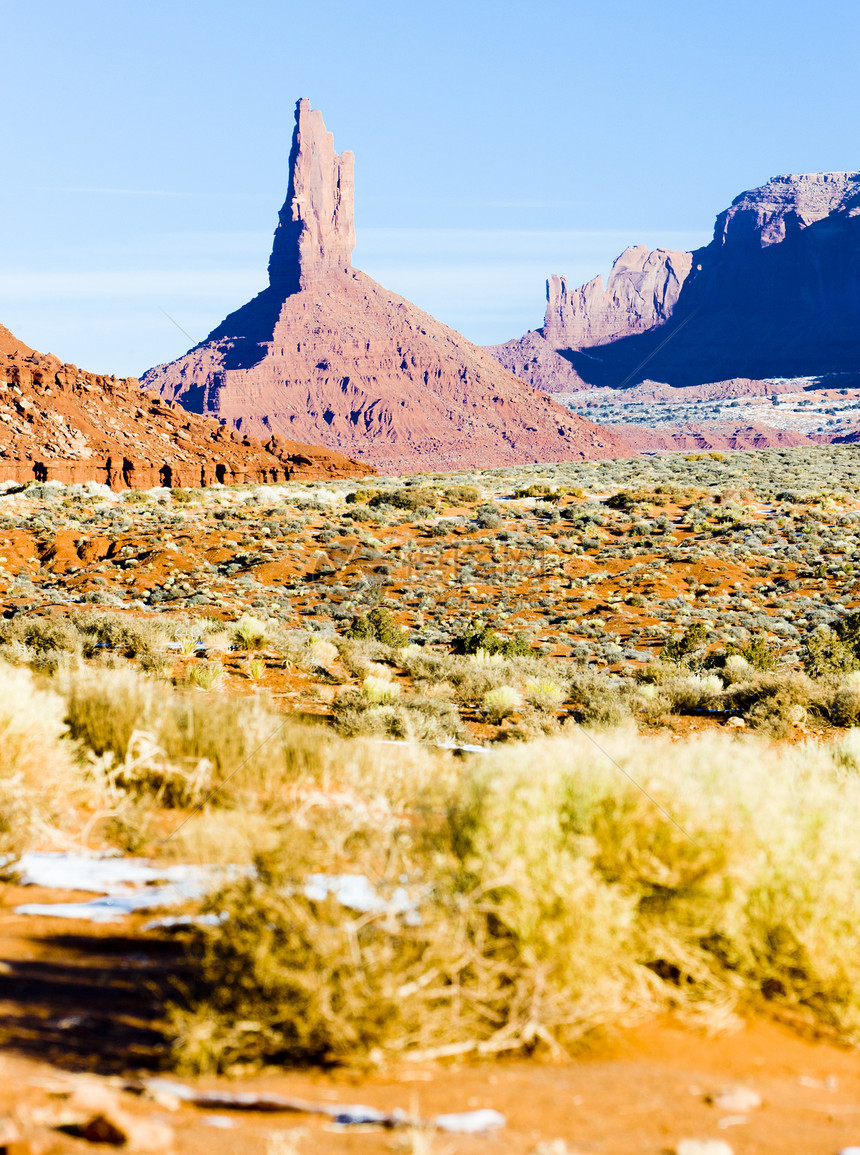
775	294
325	354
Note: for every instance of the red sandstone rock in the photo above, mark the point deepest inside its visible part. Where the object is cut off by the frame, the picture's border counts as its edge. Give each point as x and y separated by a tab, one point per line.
59	423
775	294
328	355
641	292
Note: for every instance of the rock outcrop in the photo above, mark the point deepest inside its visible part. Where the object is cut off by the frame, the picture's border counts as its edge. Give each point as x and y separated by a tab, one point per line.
326	354
59	423
641	292
775	294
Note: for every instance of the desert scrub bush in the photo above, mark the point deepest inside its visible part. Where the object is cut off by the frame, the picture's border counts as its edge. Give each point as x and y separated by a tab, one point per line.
362	513
501	702
319	653
679	693
362	496
208	675
185	496
293	980
377	625
480	637
38	782
686	647
251	633
544	694
774	703
756	653
461	495
601	702
536	489
408	498
488	515
106	710
127	636
555	896
825	652
379	691
56	633
410	717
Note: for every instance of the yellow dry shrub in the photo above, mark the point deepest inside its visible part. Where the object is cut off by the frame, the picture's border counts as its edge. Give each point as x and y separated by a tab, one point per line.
37	774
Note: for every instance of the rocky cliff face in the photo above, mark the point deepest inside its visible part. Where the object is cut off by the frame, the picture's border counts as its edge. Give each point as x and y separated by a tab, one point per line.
775	294
641	292
328	355
59	423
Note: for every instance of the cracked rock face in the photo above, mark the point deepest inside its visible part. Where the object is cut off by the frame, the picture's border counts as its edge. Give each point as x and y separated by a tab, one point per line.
327	355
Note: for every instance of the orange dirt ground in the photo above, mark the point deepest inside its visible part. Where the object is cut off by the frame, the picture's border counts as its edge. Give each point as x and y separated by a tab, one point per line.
73	1001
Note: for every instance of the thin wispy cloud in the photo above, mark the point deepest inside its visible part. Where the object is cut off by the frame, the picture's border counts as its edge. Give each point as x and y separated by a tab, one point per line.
150	192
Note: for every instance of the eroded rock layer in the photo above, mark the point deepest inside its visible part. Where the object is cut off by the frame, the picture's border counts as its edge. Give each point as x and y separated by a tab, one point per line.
59	423
327	354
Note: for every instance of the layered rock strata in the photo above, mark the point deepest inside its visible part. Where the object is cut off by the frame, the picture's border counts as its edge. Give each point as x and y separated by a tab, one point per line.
326	354
775	294
59	423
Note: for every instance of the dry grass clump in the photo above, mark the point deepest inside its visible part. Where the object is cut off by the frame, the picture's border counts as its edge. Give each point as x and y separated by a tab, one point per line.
552	896
108	710
37	777
501	702
380	710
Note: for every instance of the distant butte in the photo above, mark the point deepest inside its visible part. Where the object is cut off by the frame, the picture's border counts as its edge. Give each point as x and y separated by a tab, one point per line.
776	294
327	355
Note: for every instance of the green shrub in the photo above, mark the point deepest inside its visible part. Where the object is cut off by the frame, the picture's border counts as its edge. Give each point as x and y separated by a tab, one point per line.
479	637
501	702
570	886
378	625
825	652
683	648
362	496
408	498
756	652
461	495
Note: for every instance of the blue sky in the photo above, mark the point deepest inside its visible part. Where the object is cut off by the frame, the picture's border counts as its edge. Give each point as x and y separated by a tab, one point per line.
145	147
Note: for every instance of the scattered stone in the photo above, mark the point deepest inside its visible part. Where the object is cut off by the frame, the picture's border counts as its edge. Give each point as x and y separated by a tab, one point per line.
122	1130
106	1121
735	723
735	1100
703	1147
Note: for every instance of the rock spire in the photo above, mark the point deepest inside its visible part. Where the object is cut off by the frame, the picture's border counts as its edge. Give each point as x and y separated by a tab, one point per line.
325	354
316	230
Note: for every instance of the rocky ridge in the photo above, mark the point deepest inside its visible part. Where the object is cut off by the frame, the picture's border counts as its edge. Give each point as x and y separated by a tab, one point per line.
326	354
60	423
